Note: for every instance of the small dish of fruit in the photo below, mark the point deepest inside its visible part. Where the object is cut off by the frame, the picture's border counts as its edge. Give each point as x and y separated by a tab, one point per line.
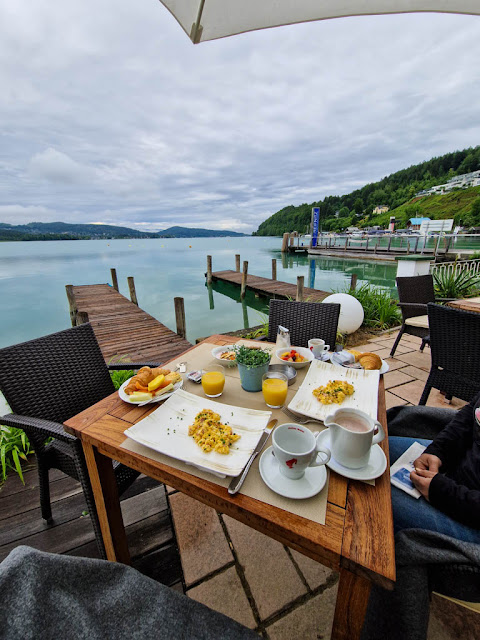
297	357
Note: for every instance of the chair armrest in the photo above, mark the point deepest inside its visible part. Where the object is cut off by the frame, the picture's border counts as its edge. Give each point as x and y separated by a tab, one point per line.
445	299
44	428
125	366
410	309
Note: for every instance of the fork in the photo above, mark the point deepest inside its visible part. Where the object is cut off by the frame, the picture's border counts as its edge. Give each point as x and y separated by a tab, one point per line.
299	419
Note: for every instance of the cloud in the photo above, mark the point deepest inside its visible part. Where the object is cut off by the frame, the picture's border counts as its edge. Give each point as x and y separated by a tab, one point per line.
58	167
110	113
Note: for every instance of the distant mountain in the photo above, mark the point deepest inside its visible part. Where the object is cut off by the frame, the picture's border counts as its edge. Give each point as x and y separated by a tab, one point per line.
69	231
184	232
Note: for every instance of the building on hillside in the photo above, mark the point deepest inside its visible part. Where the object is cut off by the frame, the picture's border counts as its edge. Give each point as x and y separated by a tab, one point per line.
463	181
414	224
381	208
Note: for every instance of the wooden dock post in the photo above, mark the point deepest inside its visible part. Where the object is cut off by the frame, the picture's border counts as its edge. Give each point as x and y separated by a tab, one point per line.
114	279
244	279
353	282
274	269
72	304
82	318
435	245
131	287
300	286
209	269
237	263
285	243
180	316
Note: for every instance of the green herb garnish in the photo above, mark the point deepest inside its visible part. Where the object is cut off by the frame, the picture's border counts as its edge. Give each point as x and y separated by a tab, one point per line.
251	356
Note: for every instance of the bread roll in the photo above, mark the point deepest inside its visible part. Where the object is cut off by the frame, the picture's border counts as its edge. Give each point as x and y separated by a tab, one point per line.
370	361
355	354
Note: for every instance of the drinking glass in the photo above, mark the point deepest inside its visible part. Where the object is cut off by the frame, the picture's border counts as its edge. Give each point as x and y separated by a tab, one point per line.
213	381
274	389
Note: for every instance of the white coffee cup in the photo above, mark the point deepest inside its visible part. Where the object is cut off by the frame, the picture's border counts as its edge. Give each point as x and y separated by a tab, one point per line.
295	448
352	434
317	346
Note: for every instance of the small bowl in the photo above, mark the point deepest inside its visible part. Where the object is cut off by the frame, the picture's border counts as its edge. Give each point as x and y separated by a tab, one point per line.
286	369
217	352
303	351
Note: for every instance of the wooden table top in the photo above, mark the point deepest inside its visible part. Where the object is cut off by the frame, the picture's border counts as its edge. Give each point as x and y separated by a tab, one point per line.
466	304
358	533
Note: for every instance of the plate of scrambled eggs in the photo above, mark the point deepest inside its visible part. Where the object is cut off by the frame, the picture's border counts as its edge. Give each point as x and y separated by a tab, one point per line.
327	386
213	436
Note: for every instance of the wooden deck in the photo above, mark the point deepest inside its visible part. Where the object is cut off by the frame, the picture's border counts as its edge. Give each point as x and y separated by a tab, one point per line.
268	287
123	329
145	511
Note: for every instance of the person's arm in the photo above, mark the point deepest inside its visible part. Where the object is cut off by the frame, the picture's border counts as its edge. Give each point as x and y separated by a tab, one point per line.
455	500
451	443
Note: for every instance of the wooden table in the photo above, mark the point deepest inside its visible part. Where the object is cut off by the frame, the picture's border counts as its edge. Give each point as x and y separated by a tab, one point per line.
356	540
466	304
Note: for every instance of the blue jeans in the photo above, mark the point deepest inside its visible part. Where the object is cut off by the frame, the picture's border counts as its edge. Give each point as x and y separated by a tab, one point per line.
410	513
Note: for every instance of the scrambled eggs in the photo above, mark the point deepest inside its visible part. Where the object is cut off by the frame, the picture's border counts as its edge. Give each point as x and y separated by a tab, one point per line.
210	434
334	392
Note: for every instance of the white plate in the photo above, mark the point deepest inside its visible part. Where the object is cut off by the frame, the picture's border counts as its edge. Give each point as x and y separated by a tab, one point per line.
216	353
309	485
166	430
377	462
383	369
126	398
365	396
303	351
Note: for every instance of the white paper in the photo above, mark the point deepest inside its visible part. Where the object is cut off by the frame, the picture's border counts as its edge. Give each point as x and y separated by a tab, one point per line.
401	469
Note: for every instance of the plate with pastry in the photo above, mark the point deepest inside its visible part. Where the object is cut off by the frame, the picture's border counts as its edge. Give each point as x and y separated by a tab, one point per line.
359	360
150	385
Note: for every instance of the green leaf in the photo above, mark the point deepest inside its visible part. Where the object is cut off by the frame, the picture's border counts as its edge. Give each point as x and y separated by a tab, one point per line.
18	466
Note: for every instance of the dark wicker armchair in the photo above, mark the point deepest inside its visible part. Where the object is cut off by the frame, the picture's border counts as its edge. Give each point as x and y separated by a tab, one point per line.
45	382
305	320
455	348
414	293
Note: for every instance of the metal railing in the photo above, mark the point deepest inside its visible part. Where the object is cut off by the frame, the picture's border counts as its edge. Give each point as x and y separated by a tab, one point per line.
472	266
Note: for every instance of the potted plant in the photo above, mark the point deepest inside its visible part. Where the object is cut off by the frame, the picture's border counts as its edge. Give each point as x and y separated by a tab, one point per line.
252	364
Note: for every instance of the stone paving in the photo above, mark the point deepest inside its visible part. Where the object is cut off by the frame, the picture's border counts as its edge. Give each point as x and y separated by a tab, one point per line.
271	588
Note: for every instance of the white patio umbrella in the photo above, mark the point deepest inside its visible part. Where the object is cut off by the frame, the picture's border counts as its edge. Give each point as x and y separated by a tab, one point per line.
211	19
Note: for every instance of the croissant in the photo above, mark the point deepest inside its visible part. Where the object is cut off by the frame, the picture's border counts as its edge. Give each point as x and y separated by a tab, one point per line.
370	361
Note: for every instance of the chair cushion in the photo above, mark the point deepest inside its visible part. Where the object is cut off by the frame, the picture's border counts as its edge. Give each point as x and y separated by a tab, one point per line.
418	321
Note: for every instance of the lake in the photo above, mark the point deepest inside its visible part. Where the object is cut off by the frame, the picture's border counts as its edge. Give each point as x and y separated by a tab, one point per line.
33	276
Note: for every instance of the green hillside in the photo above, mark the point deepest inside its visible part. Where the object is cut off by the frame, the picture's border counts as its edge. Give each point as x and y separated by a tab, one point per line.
398	192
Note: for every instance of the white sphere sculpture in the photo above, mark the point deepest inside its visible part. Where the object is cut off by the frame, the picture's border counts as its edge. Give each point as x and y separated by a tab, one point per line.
351	312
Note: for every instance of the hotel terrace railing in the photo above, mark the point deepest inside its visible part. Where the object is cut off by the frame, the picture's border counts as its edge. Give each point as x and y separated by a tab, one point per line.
472	266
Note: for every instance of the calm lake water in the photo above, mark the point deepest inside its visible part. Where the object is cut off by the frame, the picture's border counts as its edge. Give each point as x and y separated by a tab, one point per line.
33	276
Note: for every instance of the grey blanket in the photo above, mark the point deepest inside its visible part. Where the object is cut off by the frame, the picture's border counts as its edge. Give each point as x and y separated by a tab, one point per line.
45	596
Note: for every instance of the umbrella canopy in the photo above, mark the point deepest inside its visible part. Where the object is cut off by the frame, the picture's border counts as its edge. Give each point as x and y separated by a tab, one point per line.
211	19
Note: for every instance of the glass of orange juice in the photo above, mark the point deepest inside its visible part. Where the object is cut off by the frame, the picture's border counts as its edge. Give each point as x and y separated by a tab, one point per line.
213	381
274	389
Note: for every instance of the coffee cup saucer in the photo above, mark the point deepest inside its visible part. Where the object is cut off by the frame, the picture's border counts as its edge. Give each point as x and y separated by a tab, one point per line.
377	462
309	485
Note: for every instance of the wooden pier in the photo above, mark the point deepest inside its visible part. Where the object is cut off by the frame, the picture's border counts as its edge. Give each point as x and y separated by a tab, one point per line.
121	327
268	287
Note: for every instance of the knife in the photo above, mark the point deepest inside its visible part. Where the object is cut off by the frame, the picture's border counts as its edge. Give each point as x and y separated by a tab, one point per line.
237	481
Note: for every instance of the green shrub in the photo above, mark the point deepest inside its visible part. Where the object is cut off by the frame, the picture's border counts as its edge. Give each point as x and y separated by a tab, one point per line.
380	310
14	447
455	285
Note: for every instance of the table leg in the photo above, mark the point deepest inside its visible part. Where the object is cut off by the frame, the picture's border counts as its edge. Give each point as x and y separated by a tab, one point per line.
107	501
351	606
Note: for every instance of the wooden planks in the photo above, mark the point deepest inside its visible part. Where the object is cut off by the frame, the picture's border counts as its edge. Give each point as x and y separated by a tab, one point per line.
269	287
123	329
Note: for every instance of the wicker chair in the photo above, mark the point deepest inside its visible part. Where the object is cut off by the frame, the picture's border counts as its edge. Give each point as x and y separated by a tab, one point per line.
455	348
45	382
304	320
414	293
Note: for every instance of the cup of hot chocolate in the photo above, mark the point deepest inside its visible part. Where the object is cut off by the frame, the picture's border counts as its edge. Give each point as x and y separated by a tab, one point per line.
352	434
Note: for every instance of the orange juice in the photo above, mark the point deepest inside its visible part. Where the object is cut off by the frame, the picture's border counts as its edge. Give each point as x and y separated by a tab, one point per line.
274	391
213	383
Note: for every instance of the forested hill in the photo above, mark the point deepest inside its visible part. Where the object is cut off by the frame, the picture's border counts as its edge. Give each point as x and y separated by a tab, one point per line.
72	231
395	190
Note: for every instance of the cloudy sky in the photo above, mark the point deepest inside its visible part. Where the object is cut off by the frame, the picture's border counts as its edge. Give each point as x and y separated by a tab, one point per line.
110	114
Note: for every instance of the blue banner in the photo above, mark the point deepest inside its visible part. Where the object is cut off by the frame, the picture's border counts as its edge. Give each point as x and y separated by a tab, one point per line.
316	220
